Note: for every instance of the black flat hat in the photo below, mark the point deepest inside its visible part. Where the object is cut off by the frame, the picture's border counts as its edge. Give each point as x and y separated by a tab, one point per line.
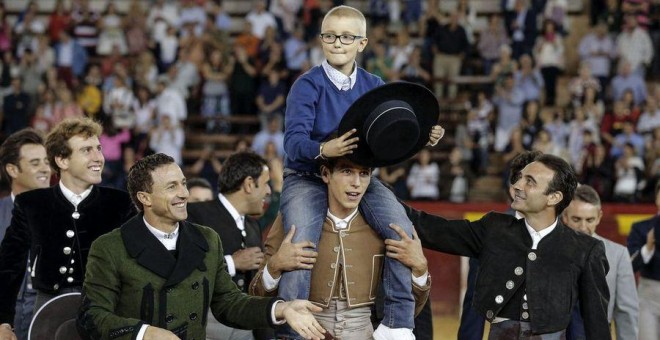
56	319
393	122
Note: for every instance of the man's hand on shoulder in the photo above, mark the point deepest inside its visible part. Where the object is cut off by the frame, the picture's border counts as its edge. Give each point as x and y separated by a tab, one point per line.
6	332
298	314
248	258
292	256
155	333
408	251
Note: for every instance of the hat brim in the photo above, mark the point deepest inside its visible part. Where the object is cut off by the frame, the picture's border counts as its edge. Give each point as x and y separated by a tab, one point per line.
54	316
423	103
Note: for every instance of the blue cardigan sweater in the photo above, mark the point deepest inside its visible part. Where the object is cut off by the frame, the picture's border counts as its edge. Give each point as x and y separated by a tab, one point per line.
314	109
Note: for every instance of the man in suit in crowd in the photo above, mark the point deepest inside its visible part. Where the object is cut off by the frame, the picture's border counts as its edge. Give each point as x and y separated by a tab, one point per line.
56	225
24	165
646	260
243	187
536	257
157	275
584	214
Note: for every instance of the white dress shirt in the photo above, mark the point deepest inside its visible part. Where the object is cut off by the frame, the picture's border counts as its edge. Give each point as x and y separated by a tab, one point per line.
240	224
72	197
538	235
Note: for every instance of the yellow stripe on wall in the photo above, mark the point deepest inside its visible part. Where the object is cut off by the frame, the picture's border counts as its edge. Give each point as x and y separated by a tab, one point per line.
625	221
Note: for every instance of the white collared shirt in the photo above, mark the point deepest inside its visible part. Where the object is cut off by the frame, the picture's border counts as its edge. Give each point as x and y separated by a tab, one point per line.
341	223
167	239
240	224
340	80
72	197
538	235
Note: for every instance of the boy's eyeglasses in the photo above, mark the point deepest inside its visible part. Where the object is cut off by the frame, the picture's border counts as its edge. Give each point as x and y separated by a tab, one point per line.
345	39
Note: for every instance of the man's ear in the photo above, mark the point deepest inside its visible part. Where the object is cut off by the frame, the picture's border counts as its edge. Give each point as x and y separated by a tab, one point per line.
325	174
555	197
62	163
248	184
12	170
144	198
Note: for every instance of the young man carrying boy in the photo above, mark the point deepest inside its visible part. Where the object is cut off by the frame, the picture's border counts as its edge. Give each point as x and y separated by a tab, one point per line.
346	271
315	106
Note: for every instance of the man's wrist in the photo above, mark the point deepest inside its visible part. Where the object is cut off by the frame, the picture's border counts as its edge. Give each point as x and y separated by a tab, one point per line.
8	326
418	272
274	270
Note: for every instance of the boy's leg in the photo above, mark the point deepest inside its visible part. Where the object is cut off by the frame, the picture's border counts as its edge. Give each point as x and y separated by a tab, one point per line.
380	208
303	203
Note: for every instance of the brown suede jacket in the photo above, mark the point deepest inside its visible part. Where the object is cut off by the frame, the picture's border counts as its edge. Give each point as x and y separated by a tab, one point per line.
355	279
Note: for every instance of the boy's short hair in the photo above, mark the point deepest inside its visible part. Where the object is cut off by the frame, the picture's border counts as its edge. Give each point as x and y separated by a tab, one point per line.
348	12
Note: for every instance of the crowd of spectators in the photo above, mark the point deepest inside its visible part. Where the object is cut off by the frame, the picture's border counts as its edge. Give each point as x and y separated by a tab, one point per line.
145	71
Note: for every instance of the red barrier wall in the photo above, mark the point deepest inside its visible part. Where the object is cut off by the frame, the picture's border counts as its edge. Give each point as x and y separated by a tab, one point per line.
445	269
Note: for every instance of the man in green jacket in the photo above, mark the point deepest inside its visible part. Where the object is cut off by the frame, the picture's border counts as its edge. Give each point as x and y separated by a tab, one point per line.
157	275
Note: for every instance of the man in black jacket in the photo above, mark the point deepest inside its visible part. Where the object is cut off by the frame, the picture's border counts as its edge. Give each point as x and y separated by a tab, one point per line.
57	225
534	270
243	186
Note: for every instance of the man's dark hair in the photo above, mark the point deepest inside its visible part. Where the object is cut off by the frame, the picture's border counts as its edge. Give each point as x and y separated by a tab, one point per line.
331	163
10	150
237	168
520	162
198	182
563	181
587	194
139	176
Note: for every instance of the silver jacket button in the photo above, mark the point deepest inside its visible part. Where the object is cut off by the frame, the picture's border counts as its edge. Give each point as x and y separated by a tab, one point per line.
63	270
499	299
532	256
489	314
70	233
510	284
69	279
66	250
525	315
518	271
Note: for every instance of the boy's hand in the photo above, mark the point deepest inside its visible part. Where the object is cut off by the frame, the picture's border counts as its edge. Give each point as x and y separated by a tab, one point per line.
436	135
340	146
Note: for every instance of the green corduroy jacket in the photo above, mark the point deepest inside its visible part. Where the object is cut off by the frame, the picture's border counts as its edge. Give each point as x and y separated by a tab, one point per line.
132	280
